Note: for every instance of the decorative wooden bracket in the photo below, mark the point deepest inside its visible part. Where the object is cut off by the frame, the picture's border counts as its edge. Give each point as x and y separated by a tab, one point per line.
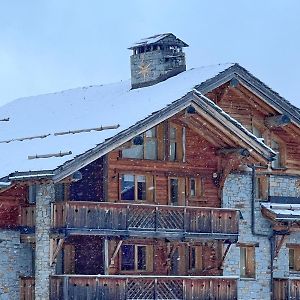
278	244
112	260
230	160
55	246
224	255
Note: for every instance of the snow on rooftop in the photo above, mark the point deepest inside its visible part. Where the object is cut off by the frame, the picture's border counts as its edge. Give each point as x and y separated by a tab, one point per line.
149	40
83	108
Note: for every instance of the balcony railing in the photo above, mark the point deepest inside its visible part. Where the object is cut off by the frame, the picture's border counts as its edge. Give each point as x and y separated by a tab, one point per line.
286	288
130	287
145	219
27	288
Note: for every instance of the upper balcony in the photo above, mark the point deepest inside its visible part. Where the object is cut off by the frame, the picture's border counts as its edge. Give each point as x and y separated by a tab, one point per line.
145	220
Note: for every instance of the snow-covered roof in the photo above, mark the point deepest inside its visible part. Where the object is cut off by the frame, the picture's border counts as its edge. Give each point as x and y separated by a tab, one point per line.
283	212
83	108
155	39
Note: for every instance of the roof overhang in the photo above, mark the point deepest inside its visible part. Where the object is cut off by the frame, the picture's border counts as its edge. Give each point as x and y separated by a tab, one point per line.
202	104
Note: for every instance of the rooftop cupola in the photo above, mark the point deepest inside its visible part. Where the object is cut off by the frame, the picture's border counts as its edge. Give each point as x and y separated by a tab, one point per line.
155	59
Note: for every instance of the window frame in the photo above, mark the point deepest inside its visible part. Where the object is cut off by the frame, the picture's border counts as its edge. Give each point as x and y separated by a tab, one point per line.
148	258
262	187
281	152
149	190
198	259
295	248
146	139
248	266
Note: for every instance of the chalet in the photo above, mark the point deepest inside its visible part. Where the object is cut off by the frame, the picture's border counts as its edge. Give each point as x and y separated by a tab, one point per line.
178	184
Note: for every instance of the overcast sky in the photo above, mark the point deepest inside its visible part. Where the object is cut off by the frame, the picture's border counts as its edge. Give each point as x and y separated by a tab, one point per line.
51	45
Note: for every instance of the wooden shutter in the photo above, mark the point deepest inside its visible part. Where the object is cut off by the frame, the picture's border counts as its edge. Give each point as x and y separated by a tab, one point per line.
69	259
150	188
160	141
199	261
149	258
250	261
181	191
297	258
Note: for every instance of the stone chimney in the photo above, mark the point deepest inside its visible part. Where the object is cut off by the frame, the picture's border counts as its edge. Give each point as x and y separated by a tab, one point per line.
156	59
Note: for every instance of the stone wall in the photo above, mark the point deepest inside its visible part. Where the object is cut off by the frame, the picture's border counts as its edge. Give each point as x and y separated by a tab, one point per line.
15	261
45	194
237	193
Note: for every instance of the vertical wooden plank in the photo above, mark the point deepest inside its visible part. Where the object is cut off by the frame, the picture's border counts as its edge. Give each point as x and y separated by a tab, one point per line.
106	259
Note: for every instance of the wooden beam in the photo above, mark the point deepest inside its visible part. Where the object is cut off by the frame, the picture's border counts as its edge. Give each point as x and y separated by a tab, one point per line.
224	255
279	245
106	264
277	121
112	260
55	249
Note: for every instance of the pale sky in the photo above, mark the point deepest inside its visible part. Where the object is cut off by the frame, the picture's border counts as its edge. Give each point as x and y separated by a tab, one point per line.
52	45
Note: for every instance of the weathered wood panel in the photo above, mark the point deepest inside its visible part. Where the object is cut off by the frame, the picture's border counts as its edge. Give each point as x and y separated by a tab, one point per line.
161	219
286	288
27	285
90	187
10	202
143	287
200	161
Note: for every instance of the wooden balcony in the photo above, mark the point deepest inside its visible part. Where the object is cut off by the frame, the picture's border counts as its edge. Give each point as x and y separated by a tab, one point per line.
286	288
121	219
27	288
130	287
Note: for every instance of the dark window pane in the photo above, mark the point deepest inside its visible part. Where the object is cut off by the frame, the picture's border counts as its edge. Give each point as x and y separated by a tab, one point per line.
193	188
141	187
192	262
141	252
174	190
32	194
291	259
127	187
127	257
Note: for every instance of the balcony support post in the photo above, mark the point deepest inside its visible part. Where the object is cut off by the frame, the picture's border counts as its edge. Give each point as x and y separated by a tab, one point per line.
106	260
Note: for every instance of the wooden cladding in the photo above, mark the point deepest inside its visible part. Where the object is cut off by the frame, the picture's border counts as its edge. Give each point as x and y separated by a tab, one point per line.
286	288
145	219
142	287
27	285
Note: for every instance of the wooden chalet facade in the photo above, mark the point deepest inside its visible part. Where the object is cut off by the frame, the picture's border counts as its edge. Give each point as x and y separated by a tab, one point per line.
180	205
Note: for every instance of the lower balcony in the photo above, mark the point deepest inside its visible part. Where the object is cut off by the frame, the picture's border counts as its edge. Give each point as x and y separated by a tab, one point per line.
286	288
145	220
132	287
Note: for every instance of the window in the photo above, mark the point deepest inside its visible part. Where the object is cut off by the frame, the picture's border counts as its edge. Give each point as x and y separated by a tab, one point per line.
262	187
136	257
137	187
294	258
147	149
277	163
196	190
247	261
192	187
177	191
176	143
195	258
